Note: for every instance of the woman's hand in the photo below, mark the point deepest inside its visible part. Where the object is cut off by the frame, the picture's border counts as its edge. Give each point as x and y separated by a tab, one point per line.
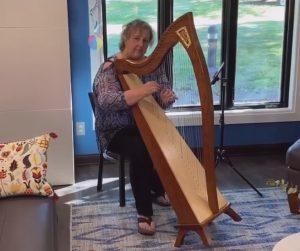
150	88
167	96
135	95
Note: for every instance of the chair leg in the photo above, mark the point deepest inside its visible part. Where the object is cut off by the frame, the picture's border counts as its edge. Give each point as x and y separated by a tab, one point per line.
100	172
122	181
294	203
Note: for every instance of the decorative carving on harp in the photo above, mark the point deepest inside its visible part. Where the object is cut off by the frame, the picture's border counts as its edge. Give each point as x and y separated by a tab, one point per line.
195	203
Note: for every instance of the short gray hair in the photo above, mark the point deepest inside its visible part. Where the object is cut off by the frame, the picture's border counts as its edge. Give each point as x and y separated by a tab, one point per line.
135	25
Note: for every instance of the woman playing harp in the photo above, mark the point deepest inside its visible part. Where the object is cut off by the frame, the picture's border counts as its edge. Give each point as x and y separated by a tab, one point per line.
115	126
190	185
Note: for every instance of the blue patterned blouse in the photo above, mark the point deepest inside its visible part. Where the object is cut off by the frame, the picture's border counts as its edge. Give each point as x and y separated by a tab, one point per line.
111	111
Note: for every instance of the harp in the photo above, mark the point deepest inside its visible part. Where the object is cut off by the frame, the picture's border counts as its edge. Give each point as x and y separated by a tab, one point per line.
195	204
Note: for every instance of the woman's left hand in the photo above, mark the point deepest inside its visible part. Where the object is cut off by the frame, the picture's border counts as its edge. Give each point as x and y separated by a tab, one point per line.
167	96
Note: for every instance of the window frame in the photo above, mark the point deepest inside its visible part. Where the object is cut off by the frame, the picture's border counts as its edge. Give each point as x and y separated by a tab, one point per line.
229	35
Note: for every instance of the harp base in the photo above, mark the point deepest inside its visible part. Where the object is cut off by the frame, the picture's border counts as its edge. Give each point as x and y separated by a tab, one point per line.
231	213
183	229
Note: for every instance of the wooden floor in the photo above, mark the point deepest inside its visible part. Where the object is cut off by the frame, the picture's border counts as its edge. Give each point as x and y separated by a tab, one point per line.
256	168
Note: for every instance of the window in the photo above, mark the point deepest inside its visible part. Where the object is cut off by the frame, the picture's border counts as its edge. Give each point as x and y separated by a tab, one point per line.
253	39
249	37
260	33
208	24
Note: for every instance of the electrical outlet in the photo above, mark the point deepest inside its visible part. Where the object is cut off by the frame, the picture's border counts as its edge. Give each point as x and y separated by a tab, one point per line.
80	128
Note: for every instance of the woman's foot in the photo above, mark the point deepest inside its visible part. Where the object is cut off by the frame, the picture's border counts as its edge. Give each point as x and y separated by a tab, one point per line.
162	200
146	225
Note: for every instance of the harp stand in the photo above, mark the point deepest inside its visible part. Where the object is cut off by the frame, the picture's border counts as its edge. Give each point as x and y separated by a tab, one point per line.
221	155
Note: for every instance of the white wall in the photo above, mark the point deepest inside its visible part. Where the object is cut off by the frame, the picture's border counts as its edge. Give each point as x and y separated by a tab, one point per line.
35	85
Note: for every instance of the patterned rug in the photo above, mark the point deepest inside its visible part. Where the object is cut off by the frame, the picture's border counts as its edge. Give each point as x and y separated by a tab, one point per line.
103	225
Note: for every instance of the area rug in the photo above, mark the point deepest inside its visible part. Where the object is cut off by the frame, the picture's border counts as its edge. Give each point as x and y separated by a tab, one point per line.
103	225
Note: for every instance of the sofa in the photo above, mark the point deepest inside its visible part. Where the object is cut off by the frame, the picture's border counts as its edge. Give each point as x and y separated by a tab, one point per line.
27	201
293	175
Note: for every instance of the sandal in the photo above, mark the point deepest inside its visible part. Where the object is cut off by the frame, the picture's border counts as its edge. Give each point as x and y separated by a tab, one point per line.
145	231
162	200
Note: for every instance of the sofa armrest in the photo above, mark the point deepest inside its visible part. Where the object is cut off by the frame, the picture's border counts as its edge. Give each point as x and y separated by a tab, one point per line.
27	223
293	155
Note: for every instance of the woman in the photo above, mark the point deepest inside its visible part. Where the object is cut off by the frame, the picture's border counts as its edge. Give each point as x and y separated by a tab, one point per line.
115	126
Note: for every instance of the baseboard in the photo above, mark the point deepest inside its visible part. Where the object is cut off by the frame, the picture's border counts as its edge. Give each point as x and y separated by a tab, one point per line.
230	150
86	159
257	149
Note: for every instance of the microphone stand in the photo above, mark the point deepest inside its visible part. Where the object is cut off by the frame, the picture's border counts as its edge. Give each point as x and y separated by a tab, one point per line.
221	155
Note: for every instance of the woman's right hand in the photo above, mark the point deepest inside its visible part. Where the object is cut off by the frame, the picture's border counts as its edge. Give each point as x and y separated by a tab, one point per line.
150	87
135	95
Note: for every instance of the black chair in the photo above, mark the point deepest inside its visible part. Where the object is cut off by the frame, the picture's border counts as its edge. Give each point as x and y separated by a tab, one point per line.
111	157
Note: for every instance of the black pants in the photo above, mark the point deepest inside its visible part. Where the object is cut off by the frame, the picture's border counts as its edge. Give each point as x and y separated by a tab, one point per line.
143	177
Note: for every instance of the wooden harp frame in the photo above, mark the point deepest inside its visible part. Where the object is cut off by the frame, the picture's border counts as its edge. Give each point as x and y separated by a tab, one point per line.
190	218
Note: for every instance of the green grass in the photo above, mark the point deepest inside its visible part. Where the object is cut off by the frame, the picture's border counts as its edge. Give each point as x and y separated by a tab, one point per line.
121	12
259	56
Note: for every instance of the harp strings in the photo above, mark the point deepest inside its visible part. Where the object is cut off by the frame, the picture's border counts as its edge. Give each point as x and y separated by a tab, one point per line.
184	79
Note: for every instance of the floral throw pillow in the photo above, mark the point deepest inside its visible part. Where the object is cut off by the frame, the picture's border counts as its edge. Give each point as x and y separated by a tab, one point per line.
23	167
